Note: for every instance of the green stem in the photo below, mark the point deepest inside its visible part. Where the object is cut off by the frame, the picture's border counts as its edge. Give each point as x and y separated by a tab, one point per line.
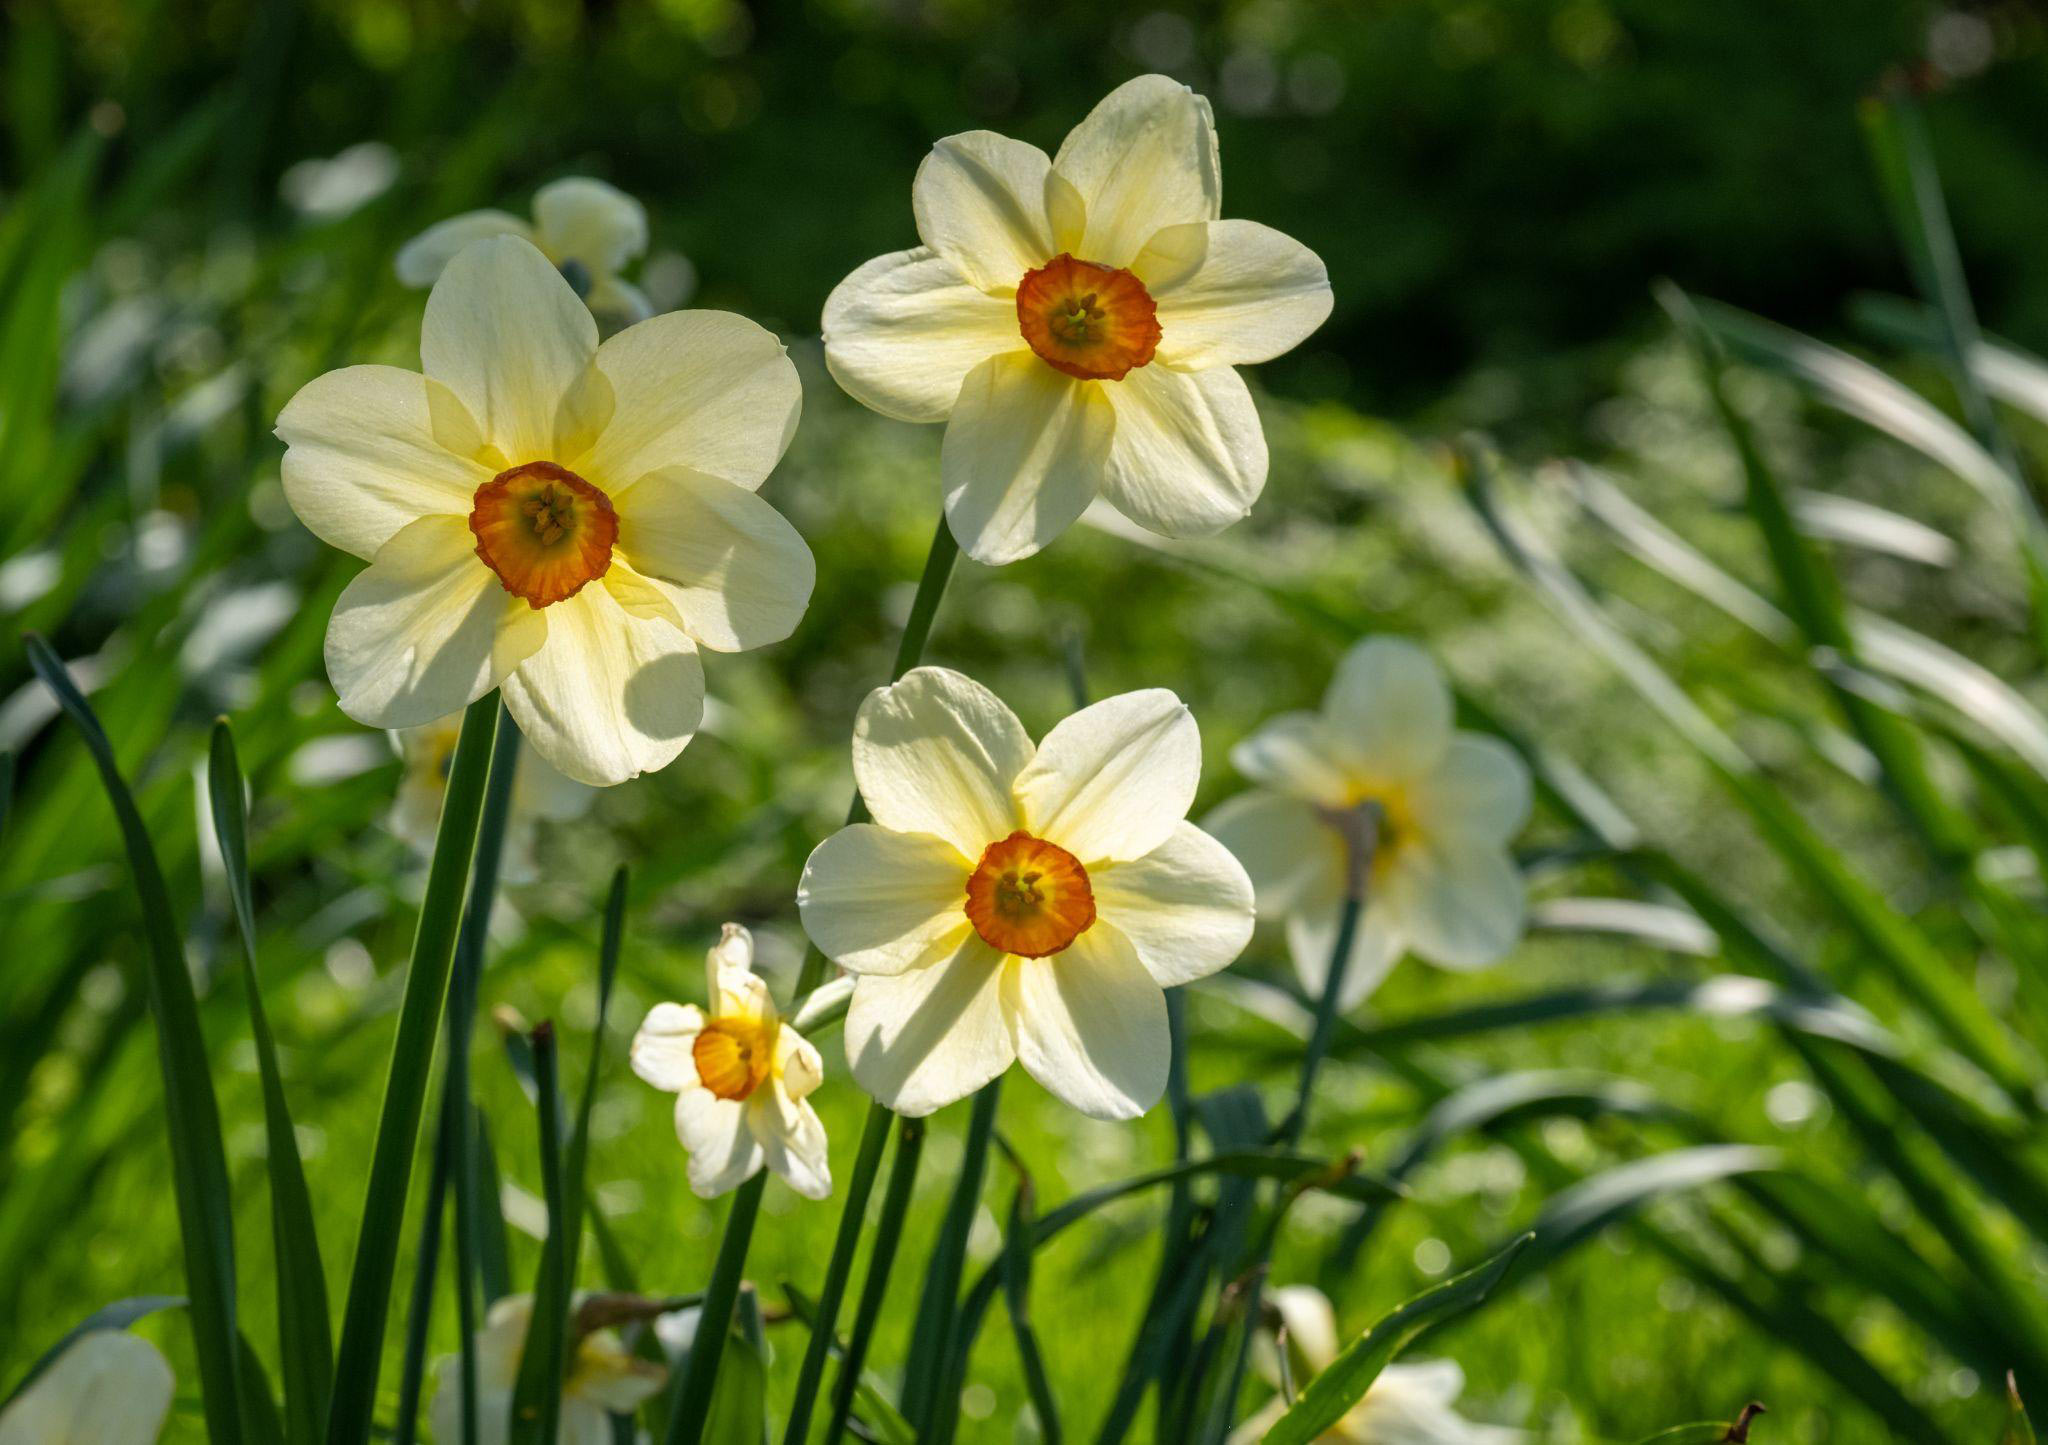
1325	1024
874	1136
932	1338
714	1318
888	1234
412	1057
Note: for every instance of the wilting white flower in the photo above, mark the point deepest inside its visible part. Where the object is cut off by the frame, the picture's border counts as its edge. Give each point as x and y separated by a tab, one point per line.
1012	902
602	1378
1443	806
588	229
538	792
1075	322
1407	1404
742	1079
564	520
108	1388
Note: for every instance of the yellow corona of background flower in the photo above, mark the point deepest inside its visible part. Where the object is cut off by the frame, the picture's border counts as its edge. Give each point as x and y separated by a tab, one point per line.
108	1388
538	792
588	229
1076	321
1012	902
1443	803
564	520
742	1079
602	1378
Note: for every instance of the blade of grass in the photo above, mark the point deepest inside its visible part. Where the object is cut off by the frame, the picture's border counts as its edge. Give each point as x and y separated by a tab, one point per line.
932	1334
882	1419
1017	1295
881	1258
543	1361
874	1136
419	1311
577	1158
691	1400
2019	1430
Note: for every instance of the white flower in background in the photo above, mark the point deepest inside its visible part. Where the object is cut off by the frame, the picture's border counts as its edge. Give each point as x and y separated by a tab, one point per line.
1012	902
564	520
1075	322
538	792
742	1079
602	1378
107	1388
1442	882
588	229
1407	1404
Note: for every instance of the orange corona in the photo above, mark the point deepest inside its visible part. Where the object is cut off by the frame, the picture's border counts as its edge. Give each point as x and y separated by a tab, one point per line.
1092	321
544	530
1029	897
732	1057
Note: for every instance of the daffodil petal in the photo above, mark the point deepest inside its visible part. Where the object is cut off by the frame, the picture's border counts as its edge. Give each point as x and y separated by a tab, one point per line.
706	390
979	199
664	1048
425	629
1376	946
609	695
1186	906
1297	753
792	1143
1145	158
876	901
361	459
737	573
1114	780
1311	1322
1389	707
1286	849
1189	457
797	1064
618	303
1024	455
580	219
1090	1025
421	260
108	1388
1480	789
936	752
1462	905
1252	294
619	1383
903	331
919	1041
724	1154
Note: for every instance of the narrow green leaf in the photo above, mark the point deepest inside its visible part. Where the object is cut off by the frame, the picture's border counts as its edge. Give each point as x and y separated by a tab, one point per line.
1578	1213
305	1333
199	1172
824	1319
544	1359
739	1406
494	1242
2019	1430
1328	1175
932	1337
116	1316
574	1164
1325	1399
262	1424
1016	1266
1708	1432
882	1419
695	1382
881	1260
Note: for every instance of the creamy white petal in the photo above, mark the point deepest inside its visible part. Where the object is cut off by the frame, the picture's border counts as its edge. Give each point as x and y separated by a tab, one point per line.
609	695
979	199
792	1141
1186	906
508	336
426	629
1479	789
903	331
1376	946
663	1048
737	992
1233	293
877	901
1024	455
919	1041
1311	1323
938	753
610	1379
798	1068
1286	849
1090	1024
737	573
1389	708
1112	781
618	303
108	1388
1297	753
580	219
1462	904
706	390
1189	457
361	459
421	260
724	1154
1145	158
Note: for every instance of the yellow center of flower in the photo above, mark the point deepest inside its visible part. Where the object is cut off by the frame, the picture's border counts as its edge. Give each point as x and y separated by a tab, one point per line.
732	1057
1086	319
1029	897
544	530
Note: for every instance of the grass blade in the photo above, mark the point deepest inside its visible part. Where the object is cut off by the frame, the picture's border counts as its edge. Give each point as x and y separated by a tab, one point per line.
2019	1430
573	1165
932	1336
1016	1266
695	1382
824	1318
537	1395
881	1259
885	1423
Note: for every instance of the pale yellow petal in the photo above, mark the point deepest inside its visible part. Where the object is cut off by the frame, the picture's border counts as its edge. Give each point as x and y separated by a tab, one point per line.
938	753
903	331
1189	457
585	220
1250	295
1090	1025
1023	457
1186	906
737	573
919	1041
1145	158
979	198
876	901
1113	781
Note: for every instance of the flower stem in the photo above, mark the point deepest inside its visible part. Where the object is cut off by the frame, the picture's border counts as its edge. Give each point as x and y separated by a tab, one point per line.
692	1407
932	1338
888	1234
874	1136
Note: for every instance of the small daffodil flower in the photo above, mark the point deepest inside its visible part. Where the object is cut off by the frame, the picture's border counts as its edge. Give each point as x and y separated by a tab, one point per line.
568	521
587	229
1076	321
603	1378
538	792
742	1078
109	1387
1407	1404
1435	808
1019	902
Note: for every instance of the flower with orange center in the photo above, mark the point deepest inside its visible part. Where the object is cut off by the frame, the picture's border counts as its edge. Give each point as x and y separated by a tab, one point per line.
567	521
742	1078
1076	322
1012	902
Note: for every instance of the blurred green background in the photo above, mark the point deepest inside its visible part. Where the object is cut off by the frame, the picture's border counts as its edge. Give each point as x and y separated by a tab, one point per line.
198	207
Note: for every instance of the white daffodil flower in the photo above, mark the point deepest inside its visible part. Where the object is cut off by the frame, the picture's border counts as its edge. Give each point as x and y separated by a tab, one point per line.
742	1079
538	792
1443	805
588	229
1407	1404
1076	322
564	520
1012	902
603	1378
108	1388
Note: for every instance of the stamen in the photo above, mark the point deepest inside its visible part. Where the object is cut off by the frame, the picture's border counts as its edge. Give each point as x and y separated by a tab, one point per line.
1029	897
545	531
1090	321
